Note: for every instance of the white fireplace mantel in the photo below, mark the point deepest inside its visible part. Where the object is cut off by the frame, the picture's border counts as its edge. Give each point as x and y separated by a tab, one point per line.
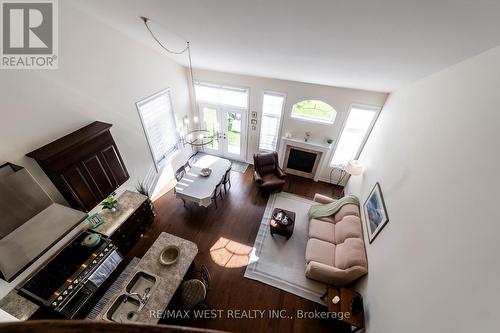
311	145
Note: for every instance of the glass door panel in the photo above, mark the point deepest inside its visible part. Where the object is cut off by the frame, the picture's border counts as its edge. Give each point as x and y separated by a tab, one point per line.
210	121
230	123
234	135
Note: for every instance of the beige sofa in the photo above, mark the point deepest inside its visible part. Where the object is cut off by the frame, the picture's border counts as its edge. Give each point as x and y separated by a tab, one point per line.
335	252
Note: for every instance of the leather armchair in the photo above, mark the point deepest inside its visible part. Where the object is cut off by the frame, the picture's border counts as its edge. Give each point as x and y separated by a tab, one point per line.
267	174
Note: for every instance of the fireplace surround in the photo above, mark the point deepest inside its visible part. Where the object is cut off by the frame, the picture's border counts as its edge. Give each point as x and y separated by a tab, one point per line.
302	158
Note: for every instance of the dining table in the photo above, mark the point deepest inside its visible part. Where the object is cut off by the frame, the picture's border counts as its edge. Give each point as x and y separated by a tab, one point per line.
195	187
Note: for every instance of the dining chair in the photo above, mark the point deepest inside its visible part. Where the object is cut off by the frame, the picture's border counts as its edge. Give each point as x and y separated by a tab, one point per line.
181	172
192	159
227	179
217	193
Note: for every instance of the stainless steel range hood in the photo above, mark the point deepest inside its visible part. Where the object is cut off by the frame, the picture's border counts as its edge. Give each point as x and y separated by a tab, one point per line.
30	221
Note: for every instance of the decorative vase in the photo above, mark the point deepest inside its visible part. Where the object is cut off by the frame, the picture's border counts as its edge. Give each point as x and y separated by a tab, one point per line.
113	210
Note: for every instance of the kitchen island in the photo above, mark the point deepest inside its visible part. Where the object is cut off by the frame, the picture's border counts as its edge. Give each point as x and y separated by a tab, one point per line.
170	277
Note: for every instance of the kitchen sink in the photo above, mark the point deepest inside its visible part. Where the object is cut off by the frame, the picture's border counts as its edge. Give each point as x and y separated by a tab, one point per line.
127	306
141	284
124	309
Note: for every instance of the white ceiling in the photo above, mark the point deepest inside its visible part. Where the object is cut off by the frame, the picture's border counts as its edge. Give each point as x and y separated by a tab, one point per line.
368	44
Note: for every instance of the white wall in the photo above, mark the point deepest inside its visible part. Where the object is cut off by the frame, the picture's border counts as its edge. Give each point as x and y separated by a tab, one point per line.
434	151
102	73
339	98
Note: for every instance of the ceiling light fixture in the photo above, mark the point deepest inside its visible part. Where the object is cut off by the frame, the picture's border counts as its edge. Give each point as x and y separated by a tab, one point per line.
196	137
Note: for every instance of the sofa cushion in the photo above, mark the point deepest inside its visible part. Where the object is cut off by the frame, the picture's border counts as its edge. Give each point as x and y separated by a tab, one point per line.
346	211
322	230
329	219
350	253
320	251
348	227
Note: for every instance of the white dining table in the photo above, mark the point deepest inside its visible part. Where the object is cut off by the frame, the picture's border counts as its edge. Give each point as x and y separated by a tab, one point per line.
196	188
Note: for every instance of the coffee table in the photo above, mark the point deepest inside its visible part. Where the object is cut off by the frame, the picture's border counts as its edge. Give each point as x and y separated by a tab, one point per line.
279	229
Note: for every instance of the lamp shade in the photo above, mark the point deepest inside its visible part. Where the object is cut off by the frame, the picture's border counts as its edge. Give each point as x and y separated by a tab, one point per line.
354	168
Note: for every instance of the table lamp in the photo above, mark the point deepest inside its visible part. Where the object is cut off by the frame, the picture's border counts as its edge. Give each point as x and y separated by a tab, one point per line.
354	168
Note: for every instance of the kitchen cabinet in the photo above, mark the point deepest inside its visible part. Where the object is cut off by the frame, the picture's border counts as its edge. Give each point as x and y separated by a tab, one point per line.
133	216
85	166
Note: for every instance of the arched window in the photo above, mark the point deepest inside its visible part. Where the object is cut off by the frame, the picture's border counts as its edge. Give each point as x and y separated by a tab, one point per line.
314	110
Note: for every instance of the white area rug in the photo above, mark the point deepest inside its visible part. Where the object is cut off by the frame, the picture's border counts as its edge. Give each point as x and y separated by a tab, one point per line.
281	263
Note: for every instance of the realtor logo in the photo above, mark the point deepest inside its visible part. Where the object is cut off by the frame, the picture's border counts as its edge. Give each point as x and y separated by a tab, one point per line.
29	34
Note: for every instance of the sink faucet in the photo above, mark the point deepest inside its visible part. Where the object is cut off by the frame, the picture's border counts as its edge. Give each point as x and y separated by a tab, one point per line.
142	299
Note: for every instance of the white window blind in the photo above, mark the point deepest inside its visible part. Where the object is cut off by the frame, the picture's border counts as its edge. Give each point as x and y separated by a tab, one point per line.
223	95
354	134
272	109
158	120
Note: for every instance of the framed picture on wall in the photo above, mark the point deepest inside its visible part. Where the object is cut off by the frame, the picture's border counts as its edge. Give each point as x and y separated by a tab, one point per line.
375	212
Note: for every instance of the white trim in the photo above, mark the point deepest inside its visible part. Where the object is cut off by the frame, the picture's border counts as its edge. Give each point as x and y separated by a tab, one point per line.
280	129
375	108
311	145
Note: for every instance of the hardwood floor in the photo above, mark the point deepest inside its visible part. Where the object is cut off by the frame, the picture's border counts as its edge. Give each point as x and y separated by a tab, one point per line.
236	222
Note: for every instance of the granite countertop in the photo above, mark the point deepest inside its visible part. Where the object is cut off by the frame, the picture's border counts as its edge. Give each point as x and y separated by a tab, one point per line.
127	204
170	277
18	306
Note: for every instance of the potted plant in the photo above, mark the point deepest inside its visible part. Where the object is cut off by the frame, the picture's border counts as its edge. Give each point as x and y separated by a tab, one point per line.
109	203
142	189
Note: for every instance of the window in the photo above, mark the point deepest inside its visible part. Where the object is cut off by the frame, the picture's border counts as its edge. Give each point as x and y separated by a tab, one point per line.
354	134
272	109
158	121
223	95
314	110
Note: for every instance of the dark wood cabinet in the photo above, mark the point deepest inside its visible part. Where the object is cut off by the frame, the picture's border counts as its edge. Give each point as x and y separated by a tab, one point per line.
85	165
137	224
133	216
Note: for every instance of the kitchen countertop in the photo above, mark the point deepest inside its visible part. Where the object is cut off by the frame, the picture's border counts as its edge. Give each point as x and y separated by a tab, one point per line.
18	306
128	203
170	277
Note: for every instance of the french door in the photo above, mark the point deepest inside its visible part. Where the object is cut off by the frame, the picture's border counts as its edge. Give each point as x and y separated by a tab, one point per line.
230	124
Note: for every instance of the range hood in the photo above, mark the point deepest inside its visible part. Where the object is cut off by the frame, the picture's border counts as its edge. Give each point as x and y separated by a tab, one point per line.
30	221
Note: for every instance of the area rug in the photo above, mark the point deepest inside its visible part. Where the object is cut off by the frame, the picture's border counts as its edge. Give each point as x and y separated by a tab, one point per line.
278	262
92	315
238	166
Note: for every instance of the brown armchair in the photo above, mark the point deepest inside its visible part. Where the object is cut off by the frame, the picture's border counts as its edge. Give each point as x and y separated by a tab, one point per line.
267	173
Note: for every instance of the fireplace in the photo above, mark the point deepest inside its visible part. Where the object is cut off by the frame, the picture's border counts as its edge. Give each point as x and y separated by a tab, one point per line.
301	161
301	158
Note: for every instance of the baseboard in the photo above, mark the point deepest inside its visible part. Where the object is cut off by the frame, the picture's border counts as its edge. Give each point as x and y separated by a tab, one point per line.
327	180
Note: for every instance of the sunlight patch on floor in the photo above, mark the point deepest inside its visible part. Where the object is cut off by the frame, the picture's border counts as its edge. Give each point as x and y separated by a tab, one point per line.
230	254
